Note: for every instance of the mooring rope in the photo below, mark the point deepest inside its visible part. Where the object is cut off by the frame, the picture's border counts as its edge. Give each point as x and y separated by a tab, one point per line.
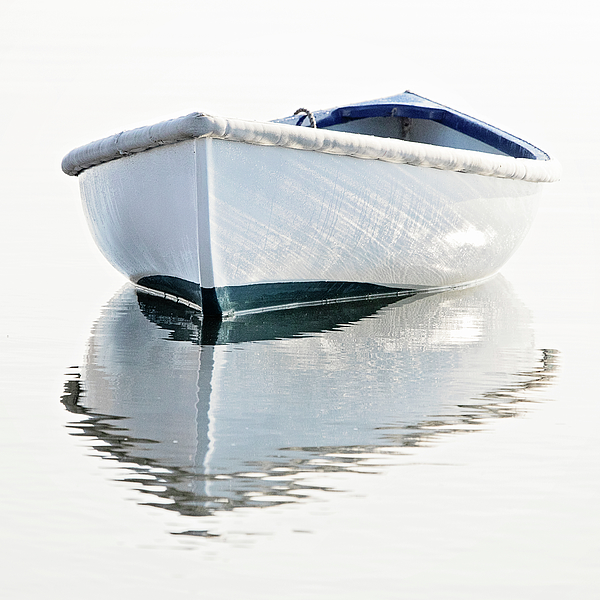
311	118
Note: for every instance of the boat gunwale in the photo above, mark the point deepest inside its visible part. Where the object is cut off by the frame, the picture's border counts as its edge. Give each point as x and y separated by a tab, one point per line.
284	135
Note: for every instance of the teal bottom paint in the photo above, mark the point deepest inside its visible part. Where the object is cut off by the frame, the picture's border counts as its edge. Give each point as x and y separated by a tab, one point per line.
265	296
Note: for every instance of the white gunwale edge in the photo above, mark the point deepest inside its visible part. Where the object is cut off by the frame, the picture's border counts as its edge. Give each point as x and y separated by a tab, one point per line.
199	125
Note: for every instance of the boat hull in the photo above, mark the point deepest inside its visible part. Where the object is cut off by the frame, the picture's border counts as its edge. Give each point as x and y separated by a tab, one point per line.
232	226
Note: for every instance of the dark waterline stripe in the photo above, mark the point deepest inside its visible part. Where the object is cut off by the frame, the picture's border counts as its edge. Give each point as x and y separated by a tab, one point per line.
215	302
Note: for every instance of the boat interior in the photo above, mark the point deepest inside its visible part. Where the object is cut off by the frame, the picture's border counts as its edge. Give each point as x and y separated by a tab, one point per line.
413	118
423	131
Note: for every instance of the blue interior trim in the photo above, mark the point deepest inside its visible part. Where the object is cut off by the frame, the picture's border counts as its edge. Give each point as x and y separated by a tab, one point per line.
412	106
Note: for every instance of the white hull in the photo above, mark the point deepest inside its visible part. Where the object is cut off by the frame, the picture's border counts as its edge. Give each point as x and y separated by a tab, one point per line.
385	197
220	213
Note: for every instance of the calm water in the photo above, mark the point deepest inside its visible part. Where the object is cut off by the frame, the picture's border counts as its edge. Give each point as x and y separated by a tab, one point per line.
242	416
439	446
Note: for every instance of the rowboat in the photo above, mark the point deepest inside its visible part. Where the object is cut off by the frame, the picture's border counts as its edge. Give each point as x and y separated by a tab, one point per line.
381	198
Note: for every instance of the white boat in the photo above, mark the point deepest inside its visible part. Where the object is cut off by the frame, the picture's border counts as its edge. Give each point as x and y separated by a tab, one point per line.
372	199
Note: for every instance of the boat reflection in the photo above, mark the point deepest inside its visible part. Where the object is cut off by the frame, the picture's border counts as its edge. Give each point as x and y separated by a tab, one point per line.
208	417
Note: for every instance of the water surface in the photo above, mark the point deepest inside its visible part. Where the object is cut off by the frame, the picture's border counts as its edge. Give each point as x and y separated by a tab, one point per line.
216	416
443	446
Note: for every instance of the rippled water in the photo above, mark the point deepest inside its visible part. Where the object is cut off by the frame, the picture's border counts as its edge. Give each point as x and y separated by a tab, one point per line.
241	414
438	446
